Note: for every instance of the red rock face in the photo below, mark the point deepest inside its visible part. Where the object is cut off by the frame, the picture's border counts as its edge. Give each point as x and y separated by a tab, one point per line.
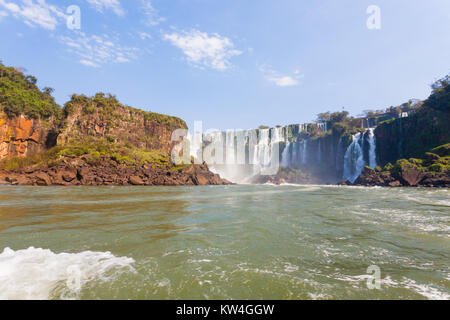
123	125
21	137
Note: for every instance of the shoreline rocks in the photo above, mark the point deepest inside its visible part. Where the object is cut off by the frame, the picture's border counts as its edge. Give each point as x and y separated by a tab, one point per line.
405	176
78	172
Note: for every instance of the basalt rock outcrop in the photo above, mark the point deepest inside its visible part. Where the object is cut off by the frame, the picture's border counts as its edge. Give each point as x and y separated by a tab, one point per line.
22	137
102	116
412	136
81	171
433	171
286	175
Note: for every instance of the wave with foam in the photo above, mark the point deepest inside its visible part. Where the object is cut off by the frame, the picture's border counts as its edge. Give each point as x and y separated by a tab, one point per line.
36	274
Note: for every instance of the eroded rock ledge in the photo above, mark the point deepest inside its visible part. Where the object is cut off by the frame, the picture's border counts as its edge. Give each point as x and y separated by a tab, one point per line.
79	171
411	177
432	171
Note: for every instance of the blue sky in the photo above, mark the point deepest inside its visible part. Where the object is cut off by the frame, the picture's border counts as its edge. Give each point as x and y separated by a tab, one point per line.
233	63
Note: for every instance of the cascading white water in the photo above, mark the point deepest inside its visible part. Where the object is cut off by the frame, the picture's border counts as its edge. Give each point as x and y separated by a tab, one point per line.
230	154
277	135
285	156
267	149
294	153
372	149
261	148
354	159
304	153
262	151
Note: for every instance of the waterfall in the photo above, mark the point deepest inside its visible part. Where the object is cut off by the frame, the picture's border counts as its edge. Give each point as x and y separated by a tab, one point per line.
354	161
240	155
294	153
285	156
277	135
304	153
372	149
262	151
230	154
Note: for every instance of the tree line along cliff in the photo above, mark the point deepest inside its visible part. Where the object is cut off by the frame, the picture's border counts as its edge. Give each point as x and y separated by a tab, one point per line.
32	122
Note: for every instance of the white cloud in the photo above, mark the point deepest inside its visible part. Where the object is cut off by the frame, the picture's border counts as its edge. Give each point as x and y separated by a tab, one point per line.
144	35
35	13
152	17
201	49
89	63
285	81
101	5
280	80
94	51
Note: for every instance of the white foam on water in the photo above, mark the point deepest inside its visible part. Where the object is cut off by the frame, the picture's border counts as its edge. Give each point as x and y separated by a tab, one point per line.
427	291
34	273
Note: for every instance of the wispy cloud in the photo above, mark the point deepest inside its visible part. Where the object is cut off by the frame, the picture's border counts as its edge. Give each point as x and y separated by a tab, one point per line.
102	5
152	17
94	51
37	13
279	79
144	35
204	50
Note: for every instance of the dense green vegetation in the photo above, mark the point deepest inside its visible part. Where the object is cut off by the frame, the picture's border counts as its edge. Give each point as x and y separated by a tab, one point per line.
429	163
43	159
440	98
108	106
93	150
19	94
340	122
123	153
442	151
412	137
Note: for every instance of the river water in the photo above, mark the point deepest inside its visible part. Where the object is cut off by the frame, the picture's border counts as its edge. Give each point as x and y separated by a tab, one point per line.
224	242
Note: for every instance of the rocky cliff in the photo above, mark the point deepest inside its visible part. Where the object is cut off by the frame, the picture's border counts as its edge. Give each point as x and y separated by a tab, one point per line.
432	171
104	117
417	134
22	137
90	141
87	119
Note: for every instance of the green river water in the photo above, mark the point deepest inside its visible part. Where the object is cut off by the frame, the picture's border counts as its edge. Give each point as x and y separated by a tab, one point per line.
223	242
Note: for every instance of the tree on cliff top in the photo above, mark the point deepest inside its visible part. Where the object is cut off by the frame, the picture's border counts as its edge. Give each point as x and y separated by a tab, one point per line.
440	98
443	82
332	117
19	94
